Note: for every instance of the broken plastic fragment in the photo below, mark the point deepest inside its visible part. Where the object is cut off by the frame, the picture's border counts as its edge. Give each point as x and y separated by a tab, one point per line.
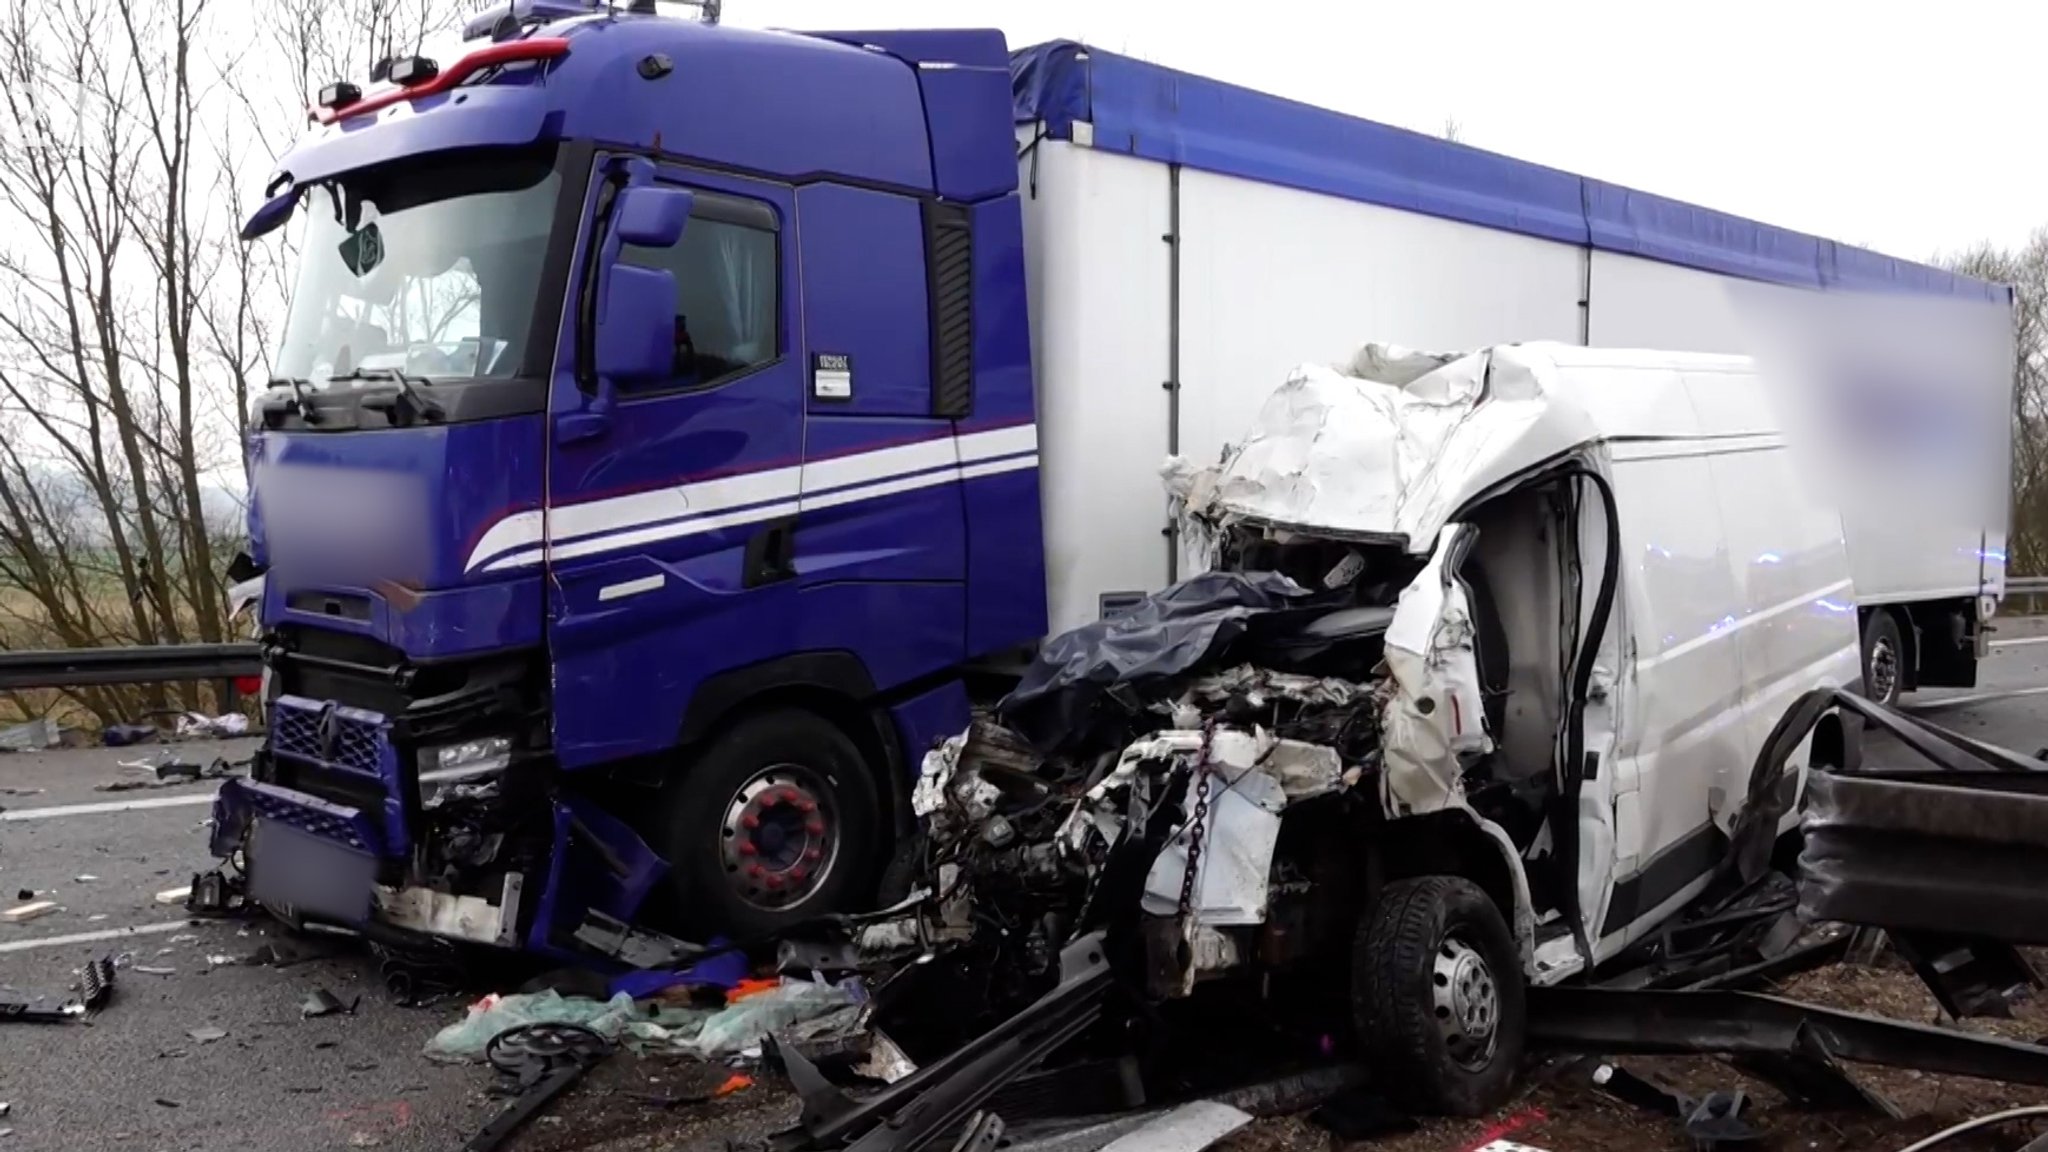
207	1035
324	1003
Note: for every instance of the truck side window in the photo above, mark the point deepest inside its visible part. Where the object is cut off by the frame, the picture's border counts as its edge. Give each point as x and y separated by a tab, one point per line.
728	303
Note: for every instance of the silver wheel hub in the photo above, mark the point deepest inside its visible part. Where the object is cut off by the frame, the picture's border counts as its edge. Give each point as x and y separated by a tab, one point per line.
779	840
1884	669
1466	1003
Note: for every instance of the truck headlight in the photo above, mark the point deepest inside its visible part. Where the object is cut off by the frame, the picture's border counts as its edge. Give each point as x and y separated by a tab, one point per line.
465	760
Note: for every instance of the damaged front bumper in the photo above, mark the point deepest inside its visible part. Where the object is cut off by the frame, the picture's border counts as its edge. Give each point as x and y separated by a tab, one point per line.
332	828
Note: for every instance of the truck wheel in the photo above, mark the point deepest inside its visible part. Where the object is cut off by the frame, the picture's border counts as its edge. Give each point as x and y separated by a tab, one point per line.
1437	997
1884	659
774	824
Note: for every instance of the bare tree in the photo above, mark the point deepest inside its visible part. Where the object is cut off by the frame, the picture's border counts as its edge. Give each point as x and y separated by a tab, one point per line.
133	323
1453	131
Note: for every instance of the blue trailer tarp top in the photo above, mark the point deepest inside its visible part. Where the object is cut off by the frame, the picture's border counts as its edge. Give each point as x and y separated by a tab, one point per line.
1160	114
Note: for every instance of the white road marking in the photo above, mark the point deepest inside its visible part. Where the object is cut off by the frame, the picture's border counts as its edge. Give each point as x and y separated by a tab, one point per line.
189	800
1973	698
105	806
93	937
2021	643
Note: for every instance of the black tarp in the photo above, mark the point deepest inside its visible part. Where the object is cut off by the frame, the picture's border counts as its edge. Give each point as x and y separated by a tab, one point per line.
1085	684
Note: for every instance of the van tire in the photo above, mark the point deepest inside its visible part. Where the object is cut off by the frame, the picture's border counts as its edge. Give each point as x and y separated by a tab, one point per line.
1884	659
1432	960
818	780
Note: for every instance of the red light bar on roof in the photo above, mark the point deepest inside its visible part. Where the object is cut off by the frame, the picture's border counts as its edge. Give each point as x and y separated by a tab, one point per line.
489	56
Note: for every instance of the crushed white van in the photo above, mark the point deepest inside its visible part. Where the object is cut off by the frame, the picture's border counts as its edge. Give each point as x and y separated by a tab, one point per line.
1469	688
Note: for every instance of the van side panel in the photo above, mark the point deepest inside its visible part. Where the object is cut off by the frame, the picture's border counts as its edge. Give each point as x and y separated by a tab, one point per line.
1796	626
1681	716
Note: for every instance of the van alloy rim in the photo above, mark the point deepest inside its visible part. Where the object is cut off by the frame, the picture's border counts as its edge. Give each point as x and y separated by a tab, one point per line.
1466	1002
779	840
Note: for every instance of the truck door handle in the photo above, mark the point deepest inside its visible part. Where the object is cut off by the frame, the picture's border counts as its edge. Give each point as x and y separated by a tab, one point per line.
771	554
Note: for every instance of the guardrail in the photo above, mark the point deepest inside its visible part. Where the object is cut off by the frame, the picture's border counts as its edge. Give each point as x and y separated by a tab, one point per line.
2023	595
141	664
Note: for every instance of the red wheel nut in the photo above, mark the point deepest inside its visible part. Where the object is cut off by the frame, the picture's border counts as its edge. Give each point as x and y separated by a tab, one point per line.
774	882
750	820
813	855
814	826
748	848
799	872
756	871
806	805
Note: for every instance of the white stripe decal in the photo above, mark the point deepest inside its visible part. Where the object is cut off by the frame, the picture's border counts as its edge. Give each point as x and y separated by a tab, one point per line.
1001	442
525	538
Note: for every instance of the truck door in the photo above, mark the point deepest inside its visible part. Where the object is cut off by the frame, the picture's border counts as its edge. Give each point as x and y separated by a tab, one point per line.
672	485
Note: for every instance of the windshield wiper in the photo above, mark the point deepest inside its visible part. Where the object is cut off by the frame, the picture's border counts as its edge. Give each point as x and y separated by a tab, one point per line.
404	404
300	403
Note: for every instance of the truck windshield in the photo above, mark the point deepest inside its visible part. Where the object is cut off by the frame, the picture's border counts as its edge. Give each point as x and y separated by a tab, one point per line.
429	268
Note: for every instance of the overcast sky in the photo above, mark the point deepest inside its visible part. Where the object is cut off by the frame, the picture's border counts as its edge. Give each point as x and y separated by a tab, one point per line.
1911	128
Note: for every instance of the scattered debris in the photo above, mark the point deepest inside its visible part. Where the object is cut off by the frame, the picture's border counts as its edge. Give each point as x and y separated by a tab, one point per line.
125	735
216	895
207	1034
543	1059
1645	1022
321	1002
175	895
25	894
168	770
195	725
151	970
95	988
1717	1122
87	879
23	913
167	1103
33	736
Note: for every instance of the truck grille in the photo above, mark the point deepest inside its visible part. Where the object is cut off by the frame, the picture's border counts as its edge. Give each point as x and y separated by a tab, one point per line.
346	756
352	740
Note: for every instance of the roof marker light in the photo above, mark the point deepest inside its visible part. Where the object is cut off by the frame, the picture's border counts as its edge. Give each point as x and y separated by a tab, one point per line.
410	71
339	94
490	56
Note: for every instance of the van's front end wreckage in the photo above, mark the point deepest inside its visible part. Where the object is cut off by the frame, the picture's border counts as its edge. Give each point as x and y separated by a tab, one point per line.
1313	771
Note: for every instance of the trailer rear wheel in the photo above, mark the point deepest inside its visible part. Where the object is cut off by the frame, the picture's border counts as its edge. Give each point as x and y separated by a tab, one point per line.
1884	659
1437	997
775	823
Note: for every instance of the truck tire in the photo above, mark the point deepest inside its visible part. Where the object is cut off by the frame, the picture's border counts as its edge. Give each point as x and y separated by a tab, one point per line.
776	822
1884	659
1437	997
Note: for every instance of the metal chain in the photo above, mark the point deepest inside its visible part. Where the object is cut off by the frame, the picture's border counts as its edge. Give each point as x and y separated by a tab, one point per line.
1197	823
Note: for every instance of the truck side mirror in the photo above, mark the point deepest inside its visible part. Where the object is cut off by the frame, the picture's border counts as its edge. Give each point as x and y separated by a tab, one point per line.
651	217
636	332
272	215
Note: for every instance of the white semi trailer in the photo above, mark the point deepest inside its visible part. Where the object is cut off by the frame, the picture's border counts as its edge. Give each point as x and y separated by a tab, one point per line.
1189	242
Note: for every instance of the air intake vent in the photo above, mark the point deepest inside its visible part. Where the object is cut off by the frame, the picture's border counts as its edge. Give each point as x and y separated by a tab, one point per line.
949	262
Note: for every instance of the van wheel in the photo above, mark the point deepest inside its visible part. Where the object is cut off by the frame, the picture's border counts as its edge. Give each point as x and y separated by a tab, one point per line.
774	824
1884	659
1437	997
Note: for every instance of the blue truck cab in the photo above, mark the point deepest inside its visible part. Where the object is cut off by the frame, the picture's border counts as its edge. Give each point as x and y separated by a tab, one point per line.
650	456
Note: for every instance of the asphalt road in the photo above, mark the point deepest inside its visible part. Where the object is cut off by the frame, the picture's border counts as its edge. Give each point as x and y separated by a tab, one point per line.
134	1077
